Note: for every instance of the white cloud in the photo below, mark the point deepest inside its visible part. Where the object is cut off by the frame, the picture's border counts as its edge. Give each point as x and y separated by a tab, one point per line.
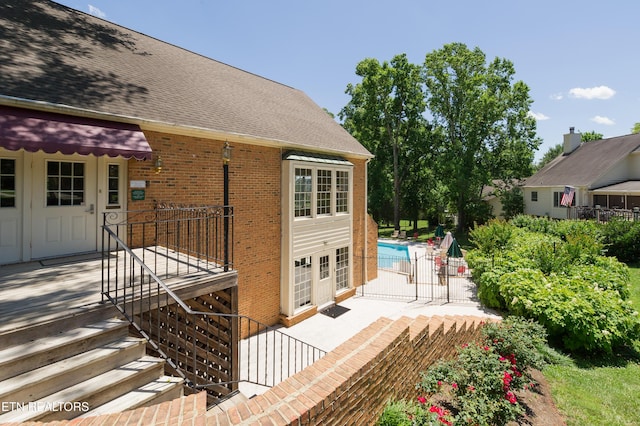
537	115
557	96
603	120
600	92
96	12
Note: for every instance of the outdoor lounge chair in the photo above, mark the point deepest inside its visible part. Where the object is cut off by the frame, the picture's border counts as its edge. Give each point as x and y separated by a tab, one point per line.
403	235
394	234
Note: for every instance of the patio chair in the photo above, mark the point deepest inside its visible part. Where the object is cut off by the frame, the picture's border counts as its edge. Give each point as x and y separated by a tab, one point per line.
394	234
403	235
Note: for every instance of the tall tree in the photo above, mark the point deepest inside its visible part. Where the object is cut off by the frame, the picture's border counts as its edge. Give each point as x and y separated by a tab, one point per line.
484	116
635	128
385	114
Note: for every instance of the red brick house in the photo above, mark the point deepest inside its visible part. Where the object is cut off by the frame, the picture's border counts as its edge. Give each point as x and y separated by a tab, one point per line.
96	117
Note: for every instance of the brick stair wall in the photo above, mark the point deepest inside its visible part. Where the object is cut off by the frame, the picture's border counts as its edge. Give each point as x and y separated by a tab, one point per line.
349	385
352	384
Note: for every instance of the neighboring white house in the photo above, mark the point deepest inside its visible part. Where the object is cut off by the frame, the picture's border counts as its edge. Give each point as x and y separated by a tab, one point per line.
604	172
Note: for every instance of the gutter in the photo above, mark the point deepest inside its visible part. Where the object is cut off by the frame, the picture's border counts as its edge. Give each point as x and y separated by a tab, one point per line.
159	126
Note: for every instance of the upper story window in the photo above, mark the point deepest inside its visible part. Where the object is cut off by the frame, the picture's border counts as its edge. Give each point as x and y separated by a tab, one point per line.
329	193
342	191
323	192
302	192
65	183
7	182
320	184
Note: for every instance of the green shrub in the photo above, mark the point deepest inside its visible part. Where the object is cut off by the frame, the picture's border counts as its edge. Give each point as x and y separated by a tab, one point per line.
403	413
580	316
622	239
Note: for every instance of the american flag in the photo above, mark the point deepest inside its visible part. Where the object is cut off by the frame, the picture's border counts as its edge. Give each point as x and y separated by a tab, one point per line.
567	196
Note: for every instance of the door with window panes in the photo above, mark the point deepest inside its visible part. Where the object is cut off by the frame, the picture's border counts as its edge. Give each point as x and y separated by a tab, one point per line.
64	205
324	289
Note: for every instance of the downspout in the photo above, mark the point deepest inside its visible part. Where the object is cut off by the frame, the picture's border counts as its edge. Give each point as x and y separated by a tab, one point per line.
366	220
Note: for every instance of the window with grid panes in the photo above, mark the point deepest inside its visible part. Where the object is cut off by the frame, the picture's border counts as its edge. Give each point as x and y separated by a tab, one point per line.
113	195
342	191
65	183
323	192
302	192
302	287
7	182
342	268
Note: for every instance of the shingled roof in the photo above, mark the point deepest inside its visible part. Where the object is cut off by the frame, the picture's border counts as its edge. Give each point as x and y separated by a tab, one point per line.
587	163
56	56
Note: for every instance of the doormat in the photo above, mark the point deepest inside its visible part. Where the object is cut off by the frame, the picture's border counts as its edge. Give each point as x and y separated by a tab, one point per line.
335	311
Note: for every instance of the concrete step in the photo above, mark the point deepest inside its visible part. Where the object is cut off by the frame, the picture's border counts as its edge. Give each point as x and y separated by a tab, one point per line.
90	393
35	384
56	345
165	388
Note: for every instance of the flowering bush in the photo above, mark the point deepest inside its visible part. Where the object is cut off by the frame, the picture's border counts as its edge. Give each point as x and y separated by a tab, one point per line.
480	386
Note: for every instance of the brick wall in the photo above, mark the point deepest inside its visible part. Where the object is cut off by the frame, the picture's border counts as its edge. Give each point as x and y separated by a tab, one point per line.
352	384
192	174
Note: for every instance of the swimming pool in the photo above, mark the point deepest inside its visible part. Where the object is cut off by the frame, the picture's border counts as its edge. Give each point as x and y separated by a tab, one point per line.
389	253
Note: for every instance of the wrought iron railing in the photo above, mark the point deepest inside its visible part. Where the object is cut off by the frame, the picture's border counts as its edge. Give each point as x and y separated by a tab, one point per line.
201	337
425	276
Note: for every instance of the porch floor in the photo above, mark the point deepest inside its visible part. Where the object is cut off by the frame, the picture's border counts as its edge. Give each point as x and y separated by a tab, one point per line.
40	291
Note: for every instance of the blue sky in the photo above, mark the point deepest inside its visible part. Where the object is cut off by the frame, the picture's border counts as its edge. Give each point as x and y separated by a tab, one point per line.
579	58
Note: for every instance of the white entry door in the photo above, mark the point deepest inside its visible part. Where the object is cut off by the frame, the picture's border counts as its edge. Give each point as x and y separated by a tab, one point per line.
10	206
324	289
64	218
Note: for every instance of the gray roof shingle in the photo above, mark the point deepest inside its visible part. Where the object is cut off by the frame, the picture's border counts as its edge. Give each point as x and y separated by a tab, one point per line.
587	163
56	55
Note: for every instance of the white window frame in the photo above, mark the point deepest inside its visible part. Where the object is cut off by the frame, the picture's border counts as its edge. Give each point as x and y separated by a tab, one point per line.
316	173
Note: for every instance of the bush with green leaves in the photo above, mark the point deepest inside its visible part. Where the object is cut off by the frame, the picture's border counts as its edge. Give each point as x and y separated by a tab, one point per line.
481	383
622	239
577	314
411	413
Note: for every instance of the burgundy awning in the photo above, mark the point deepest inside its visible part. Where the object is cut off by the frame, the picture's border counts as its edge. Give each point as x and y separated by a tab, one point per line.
49	132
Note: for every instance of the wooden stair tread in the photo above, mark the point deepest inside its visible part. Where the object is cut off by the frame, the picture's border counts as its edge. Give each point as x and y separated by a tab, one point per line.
78	367
91	390
140	397
25	356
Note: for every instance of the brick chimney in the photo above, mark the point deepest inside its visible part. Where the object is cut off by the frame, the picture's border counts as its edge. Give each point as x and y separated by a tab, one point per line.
572	141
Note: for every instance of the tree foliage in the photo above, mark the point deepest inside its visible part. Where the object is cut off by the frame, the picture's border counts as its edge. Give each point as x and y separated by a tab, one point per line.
591	136
440	131
385	114
550	155
488	133
636	128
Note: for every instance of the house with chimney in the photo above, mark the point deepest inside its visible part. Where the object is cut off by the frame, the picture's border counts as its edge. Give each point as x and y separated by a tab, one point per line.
602	174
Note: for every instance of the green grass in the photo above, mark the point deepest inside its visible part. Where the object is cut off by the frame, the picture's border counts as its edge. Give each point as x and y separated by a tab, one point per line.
600	390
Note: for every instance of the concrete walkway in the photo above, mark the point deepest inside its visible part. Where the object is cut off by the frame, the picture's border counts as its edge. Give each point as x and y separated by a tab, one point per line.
327	333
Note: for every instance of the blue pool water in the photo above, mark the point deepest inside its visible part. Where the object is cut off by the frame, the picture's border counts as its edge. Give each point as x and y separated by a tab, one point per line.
389	253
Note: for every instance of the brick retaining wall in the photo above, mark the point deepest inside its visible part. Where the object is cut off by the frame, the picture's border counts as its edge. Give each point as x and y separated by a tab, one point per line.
349	385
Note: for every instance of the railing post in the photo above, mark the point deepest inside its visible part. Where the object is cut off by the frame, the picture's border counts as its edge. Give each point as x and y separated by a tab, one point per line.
225	169
415	274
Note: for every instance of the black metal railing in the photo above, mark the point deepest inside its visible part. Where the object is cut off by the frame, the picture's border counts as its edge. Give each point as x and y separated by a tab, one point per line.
426	277
200	338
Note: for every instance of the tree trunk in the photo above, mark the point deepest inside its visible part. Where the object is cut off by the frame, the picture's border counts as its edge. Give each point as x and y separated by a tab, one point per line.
396	188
